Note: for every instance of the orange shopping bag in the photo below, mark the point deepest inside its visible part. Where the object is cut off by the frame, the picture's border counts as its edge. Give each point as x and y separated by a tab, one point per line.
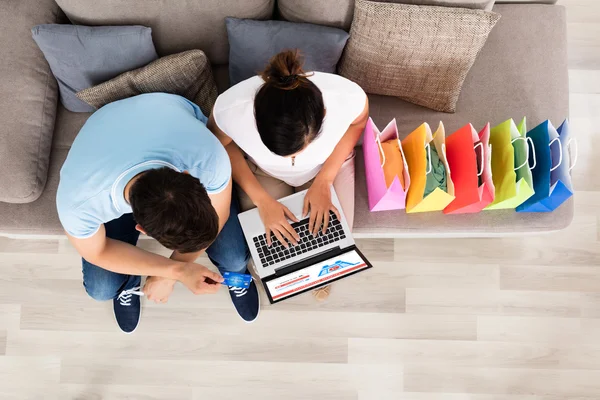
469	159
418	149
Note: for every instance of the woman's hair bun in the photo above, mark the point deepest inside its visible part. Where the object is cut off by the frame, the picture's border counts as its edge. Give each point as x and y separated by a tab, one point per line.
285	70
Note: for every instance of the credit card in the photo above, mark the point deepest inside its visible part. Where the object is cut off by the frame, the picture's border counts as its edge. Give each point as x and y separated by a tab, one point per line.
237	280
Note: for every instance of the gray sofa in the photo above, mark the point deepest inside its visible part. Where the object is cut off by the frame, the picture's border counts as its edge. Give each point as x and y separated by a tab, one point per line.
522	71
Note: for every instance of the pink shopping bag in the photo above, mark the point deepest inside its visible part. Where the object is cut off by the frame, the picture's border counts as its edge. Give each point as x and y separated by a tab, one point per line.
381	196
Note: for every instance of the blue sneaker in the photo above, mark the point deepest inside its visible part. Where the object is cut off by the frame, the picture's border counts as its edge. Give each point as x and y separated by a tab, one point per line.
128	307
246	301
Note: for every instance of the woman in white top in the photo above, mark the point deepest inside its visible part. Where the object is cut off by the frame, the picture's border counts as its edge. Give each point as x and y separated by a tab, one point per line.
297	130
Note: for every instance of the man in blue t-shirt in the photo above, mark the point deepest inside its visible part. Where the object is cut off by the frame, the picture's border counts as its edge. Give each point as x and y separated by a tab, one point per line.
149	164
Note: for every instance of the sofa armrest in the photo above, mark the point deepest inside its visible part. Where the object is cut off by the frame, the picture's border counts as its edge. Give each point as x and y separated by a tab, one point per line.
28	99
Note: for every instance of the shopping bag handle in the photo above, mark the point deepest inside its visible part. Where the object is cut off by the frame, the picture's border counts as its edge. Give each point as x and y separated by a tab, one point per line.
482	157
428	147
530	149
447	165
378	140
560	158
574	141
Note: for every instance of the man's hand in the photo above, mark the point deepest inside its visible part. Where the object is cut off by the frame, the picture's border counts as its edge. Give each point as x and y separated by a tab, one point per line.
199	279
318	202
158	289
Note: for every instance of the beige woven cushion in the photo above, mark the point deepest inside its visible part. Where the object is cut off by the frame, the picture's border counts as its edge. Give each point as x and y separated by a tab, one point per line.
475	4
421	54
187	74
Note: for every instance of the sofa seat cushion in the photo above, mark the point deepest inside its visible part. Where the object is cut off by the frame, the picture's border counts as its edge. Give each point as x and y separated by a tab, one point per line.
29	97
176	26
509	79
68	124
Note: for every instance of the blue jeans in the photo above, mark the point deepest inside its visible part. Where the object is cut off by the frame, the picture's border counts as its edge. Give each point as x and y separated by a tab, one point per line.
228	252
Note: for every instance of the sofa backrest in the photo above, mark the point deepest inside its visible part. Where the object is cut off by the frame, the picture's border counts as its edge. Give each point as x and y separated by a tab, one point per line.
176	25
339	13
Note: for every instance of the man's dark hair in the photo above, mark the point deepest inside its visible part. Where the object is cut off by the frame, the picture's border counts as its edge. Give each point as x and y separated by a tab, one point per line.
174	208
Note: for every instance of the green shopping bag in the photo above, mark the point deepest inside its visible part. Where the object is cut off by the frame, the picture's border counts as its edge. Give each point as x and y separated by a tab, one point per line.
511	172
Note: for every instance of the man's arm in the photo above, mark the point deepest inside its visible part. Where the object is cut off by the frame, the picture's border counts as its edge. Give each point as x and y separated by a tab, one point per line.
123	258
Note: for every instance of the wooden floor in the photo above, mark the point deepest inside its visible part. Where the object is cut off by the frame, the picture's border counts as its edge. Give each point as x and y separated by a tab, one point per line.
476	319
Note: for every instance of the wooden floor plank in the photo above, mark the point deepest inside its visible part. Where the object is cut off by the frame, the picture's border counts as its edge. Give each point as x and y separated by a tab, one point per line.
484	354
177	346
494	302
207	373
567	384
25	370
123	392
529	329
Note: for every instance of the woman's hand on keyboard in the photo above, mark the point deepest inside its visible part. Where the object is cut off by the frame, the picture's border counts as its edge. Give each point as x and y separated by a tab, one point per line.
318	202
275	216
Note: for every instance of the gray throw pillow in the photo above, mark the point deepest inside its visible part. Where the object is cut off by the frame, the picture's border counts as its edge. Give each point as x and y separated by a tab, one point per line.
253	43
81	56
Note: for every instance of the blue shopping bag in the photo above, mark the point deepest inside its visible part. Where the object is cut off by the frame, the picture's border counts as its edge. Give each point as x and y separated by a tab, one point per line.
552	173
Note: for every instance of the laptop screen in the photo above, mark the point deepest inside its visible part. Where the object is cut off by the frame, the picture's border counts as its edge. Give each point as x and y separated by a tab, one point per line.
316	275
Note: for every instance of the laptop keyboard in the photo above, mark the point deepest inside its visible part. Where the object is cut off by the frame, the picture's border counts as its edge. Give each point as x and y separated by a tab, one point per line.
277	253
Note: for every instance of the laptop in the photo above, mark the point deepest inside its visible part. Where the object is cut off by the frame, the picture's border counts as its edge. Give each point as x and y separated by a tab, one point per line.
316	261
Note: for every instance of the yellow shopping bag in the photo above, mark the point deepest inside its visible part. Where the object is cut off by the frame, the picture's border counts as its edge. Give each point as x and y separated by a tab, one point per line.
418	153
510	165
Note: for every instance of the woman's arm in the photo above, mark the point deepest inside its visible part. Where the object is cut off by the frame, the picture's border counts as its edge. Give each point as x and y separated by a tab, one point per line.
273	213
344	147
240	171
318	198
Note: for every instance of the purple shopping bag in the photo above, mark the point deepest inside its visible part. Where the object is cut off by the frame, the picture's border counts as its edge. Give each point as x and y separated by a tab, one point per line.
381	196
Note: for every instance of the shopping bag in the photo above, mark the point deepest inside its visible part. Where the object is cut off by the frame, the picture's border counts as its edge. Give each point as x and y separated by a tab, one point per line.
419	151
466	169
510	166
524	149
381	195
552	174
484	173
